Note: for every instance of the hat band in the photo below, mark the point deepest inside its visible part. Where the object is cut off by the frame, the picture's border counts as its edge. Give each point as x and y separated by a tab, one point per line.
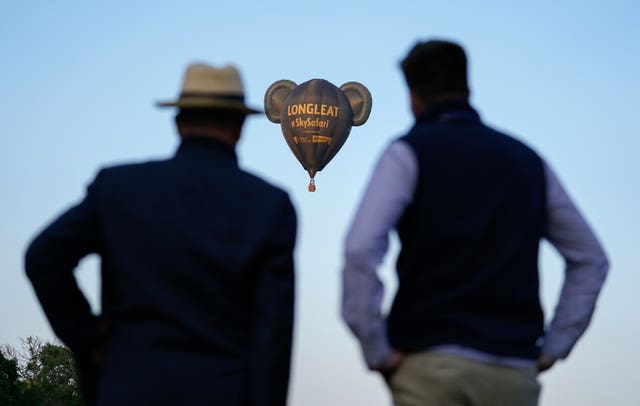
229	97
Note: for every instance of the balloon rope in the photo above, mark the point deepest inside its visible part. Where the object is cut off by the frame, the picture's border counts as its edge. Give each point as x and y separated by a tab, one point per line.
312	185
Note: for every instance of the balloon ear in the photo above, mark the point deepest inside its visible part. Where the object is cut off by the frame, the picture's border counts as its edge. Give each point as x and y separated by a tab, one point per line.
274	98
360	101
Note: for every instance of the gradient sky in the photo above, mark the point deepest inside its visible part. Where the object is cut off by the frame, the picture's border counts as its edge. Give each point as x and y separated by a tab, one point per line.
79	82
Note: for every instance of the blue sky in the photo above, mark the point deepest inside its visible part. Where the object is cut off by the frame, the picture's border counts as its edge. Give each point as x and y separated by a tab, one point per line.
79	82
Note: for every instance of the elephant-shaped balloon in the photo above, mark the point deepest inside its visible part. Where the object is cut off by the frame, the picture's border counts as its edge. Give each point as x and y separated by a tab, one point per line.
316	118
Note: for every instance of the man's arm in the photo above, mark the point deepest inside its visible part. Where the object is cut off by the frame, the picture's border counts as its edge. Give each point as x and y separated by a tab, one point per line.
586	268
49	263
389	192
272	334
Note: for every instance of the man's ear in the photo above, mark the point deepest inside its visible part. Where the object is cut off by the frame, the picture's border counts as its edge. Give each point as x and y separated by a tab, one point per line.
274	99
360	100
417	104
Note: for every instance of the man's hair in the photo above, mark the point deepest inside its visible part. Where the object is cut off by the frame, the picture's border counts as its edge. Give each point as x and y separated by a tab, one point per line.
209	116
435	68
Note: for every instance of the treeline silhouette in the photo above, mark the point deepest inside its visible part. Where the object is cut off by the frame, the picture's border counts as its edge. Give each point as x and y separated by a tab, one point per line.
40	373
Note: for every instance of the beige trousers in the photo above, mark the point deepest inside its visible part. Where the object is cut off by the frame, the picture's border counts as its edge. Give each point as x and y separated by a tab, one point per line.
431	379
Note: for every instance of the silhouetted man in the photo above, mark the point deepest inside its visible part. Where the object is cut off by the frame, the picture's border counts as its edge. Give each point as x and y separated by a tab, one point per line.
197	268
470	206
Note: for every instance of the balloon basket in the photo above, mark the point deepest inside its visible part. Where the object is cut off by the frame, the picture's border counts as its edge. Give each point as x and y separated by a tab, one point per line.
312	185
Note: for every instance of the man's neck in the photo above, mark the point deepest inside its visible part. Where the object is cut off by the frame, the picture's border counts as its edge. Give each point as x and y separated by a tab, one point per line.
225	136
420	105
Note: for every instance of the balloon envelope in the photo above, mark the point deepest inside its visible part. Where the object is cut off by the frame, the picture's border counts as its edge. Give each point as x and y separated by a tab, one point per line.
316	119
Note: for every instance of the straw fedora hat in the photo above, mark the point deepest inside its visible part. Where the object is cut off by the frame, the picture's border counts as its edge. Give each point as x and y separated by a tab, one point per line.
207	87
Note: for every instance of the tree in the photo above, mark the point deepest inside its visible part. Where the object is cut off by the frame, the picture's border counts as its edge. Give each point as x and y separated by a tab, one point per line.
9	383
46	374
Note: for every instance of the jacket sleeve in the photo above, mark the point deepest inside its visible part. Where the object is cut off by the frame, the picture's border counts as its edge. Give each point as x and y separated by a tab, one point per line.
272	333
49	263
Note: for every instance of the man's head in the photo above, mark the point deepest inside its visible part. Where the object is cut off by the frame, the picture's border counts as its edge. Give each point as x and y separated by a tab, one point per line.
211	103
435	70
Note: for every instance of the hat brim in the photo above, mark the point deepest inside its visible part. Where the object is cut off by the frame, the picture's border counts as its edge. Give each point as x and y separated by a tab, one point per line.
205	102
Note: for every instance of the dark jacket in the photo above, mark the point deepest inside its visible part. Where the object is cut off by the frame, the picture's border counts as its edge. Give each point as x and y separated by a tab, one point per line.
468	268
197	282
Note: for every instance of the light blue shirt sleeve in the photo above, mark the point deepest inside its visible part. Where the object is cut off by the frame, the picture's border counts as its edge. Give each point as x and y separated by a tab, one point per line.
586	267
390	190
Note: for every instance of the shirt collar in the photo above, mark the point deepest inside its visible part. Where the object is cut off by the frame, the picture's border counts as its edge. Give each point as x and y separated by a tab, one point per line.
201	146
450	110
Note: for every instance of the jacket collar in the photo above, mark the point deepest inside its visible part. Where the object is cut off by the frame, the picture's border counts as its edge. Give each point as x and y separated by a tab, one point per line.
199	146
456	110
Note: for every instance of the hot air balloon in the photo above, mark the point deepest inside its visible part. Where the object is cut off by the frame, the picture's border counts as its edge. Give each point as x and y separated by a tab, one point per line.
316	118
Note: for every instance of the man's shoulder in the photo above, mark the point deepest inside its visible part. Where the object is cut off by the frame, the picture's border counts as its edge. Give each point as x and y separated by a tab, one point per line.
433	134
515	144
262	185
244	182
121	174
270	203
133	166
